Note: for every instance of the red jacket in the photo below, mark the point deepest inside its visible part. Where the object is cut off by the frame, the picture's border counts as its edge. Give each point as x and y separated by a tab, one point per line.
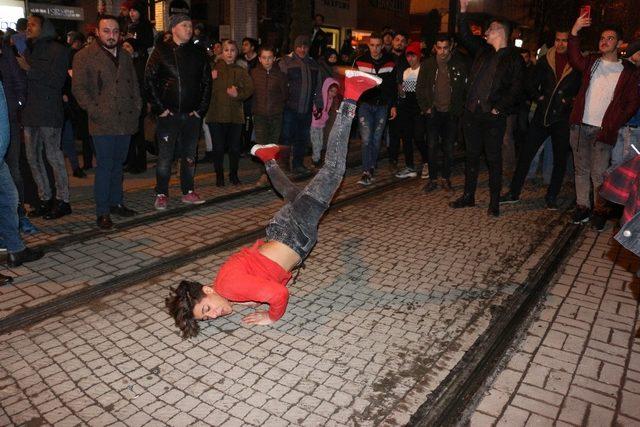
250	276
626	98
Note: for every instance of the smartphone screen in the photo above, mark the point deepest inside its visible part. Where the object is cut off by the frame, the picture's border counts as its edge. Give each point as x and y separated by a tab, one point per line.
585	11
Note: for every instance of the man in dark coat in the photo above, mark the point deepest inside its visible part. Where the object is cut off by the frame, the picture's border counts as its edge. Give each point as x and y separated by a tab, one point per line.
105	84
495	90
45	63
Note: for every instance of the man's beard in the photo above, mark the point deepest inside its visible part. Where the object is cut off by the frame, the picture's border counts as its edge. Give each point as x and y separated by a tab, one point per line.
110	44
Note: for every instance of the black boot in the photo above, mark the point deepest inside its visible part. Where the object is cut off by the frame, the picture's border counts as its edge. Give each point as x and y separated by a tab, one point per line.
466	201
5	280
44	208
16	259
219	180
233	178
61	209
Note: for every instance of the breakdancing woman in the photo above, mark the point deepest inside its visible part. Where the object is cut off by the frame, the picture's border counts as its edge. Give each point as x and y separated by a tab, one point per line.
259	274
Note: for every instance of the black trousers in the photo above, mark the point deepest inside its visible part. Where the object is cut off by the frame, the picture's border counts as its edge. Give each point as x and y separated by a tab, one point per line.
538	133
483	133
412	131
226	136
442	129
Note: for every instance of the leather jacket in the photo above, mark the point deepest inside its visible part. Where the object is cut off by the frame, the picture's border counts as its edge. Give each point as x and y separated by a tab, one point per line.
178	79
557	95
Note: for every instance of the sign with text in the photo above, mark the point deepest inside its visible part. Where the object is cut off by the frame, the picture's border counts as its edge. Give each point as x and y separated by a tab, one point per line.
10	12
57	11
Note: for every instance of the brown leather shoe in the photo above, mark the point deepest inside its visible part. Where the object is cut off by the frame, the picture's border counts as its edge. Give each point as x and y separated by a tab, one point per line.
104	222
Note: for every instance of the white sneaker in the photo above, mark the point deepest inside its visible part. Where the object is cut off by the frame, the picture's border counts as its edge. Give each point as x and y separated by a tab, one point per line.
406	173
425	171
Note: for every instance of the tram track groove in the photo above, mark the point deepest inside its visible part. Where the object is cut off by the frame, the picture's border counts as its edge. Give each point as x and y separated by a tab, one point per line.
446	405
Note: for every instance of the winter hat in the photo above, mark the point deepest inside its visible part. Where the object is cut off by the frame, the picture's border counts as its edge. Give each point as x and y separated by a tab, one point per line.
176	19
301	41
414	48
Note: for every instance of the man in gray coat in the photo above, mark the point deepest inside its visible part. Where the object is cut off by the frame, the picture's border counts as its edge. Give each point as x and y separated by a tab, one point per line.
104	83
45	62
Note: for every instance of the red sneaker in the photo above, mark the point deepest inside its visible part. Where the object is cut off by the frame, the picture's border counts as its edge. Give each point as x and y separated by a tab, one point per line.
267	152
358	82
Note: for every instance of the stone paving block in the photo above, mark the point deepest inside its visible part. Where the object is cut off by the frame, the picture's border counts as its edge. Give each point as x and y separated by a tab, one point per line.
513	417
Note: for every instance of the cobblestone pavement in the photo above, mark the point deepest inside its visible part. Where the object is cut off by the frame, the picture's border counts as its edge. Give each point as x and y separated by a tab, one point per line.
397	289
578	362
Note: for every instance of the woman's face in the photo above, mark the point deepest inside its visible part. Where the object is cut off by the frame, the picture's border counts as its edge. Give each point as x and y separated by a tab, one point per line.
229	53
332	59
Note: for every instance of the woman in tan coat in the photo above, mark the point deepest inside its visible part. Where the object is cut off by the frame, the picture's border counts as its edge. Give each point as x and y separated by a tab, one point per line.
231	86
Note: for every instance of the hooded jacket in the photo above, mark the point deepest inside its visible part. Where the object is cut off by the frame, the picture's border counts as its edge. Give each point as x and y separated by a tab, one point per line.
557	94
324	116
625	101
45	80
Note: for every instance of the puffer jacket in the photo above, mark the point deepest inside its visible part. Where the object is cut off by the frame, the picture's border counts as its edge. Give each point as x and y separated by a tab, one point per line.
557	95
270	90
224	108
49	61
107	88
178	79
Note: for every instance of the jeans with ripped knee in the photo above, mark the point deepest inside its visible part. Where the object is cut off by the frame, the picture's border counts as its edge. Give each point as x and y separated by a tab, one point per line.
177	136
371	120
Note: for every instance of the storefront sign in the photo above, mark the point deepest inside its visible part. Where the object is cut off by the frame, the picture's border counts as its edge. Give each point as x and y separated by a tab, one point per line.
179	7
392	5
56	11
10	12
339	4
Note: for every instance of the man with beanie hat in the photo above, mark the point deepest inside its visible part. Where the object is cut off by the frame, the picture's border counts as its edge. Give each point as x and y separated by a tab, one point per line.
305	90
178	84
441	92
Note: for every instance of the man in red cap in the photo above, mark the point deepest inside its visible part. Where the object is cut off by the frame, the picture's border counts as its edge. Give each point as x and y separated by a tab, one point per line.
412	124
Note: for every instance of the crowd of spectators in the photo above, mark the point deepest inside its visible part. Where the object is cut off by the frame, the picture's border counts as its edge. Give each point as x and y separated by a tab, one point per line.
129	91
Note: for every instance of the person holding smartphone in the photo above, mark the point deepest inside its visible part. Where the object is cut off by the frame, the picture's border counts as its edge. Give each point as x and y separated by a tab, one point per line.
607	99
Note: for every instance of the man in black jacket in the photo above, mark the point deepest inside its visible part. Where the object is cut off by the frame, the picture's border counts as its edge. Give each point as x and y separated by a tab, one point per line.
553	85
441	91
45	63
495	88
178	85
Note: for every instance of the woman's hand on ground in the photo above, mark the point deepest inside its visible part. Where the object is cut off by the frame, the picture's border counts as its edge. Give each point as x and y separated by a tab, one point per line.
257	318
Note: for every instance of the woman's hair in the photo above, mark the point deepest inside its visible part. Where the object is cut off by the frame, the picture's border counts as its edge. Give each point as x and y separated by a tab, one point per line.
180	304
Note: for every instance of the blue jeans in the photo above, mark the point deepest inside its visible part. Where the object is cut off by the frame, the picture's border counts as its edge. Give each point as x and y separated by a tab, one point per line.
627	135
371	119
69	144
111	152
296	134
546	153
9	210
296	224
